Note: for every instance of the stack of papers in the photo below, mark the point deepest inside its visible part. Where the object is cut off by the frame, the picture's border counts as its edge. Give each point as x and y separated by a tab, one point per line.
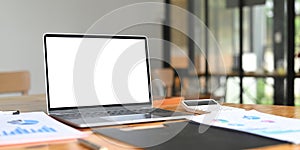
33	127
277	127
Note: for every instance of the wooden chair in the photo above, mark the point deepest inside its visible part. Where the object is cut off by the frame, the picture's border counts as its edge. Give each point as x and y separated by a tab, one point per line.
14	82
166	75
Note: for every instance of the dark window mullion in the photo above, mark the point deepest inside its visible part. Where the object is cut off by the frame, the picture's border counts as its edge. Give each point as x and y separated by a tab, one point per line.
241	72
290	50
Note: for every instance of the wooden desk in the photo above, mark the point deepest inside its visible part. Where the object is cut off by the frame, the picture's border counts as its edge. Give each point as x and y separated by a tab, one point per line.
37	103
24	103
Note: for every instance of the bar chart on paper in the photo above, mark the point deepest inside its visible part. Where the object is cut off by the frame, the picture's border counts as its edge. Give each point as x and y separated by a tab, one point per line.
20	131
33	127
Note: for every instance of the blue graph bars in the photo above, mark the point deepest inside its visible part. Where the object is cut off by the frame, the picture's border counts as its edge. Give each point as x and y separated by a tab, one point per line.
19	131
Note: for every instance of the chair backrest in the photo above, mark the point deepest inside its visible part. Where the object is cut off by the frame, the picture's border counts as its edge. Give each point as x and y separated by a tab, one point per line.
166	75
13	82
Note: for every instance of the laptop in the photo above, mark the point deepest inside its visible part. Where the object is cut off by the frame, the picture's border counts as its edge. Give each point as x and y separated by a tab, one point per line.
100	80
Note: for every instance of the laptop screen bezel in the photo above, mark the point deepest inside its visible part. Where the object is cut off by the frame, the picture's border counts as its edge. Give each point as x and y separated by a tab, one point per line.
71	35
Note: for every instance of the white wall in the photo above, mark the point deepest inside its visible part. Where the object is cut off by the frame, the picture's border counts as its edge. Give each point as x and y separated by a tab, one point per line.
23	22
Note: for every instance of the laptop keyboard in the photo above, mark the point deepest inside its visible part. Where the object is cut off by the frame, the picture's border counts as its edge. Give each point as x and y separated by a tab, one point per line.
77	115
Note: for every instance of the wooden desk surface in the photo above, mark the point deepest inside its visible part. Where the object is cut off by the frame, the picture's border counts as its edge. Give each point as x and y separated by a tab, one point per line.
37	103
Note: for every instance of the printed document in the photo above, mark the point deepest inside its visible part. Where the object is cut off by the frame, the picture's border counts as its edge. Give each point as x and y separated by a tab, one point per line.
33	127
277	127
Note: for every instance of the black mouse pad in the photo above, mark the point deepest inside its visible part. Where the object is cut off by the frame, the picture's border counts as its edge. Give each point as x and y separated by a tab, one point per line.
186	135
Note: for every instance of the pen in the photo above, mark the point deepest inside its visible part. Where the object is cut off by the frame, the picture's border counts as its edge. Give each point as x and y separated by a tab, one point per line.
13	112
90	145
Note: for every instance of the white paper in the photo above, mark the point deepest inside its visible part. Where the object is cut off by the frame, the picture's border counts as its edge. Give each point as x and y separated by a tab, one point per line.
277	127
229	108
33	127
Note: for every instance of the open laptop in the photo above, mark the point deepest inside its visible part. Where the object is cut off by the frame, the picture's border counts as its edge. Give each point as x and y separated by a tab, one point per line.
100	80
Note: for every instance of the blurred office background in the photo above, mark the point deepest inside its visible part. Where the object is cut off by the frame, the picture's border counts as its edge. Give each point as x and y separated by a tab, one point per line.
258	48
247	43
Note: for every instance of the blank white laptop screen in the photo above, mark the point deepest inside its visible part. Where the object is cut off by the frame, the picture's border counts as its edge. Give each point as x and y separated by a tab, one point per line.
65	56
